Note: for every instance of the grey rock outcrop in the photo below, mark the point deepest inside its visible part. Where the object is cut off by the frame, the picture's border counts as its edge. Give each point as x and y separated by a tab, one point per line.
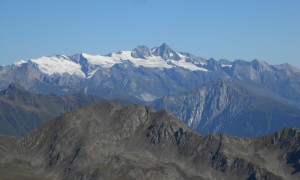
226	107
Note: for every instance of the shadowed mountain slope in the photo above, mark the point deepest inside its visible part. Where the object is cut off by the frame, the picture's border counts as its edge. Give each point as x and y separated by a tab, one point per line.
21	111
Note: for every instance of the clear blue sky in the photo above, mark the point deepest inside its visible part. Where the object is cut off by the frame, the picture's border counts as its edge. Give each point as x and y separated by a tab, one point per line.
233	29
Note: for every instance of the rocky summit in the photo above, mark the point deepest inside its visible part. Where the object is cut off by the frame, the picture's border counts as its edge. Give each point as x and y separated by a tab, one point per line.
107	141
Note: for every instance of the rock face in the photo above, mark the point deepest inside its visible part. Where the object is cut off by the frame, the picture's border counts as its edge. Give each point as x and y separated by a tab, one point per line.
166	52
106	141
22	111
141	52
226	107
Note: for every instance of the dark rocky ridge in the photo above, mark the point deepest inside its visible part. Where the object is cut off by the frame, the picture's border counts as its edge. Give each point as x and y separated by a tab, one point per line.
166	52
106	141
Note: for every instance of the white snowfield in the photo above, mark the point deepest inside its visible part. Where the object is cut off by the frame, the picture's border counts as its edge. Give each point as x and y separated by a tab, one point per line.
58	65
63	64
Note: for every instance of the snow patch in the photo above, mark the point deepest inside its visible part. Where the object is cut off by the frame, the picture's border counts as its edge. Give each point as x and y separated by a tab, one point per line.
147	97
91	73
188	65
226	65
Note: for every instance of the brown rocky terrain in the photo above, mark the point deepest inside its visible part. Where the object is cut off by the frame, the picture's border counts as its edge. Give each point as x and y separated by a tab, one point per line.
107	141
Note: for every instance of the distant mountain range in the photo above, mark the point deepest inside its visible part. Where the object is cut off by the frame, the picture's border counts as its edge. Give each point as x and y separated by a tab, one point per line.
22	111
106	141
147	74
215	107
226	107
253	99
112	141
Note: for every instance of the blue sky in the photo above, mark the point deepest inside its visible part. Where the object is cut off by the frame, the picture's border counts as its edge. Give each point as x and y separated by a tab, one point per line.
267	30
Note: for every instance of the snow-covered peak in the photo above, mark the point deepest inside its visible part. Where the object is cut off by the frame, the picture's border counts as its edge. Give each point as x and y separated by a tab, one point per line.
20	62
58	65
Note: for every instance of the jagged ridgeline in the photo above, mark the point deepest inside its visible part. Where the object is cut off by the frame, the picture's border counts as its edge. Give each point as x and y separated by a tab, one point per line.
147	74
106	141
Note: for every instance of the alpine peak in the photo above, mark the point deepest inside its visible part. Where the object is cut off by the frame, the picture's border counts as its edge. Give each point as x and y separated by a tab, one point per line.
166	52
141	52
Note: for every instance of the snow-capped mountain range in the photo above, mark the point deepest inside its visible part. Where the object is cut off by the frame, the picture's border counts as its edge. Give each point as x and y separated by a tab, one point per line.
159	57
146	74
